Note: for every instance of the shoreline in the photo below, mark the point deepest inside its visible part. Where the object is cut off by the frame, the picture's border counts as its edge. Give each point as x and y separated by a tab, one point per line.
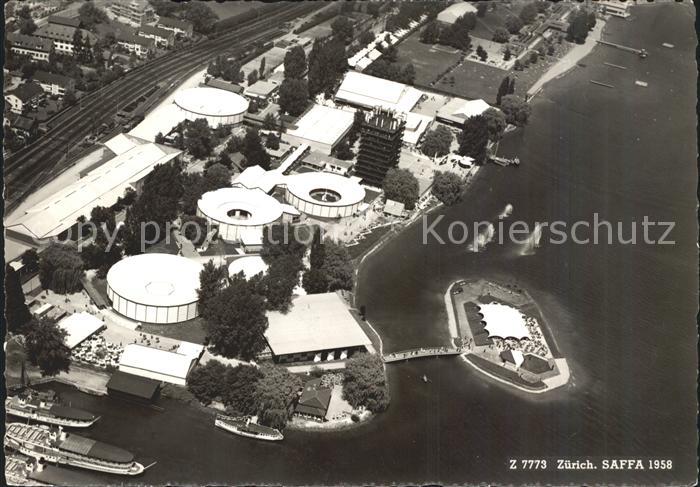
563	373
569	60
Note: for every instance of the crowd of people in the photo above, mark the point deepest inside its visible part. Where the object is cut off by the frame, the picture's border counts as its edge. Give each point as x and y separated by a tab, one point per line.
535	345
96	351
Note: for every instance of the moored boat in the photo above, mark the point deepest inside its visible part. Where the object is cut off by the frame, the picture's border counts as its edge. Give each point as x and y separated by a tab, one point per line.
56	446
245	426
44	407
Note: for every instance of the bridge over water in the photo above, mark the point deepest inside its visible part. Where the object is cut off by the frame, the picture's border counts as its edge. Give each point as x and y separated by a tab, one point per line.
420	353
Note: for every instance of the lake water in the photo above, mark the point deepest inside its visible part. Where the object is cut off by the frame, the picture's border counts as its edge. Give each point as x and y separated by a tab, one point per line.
623	315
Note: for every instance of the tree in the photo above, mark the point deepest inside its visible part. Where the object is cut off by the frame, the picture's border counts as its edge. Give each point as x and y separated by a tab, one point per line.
436	143
481	52
516	110
447	187
46	347
501	35
195	229
343	151
205	382
534	56
201	16
506	54
496	123
236	321
550	50
25	21
17	313
365	382
293	96
269	122
278	284
199	139
217	176
240	384
212	280
90	15
275	394
30	260
513	24
295	63
402	186
430	33
280	240
254	152
60	269
366	38
252	77
234	144
327	63
475	138
231	71
502	89
579	25
337	266
315	281
517	65
528	14
408	74
342	29
272	141
481	8
261	68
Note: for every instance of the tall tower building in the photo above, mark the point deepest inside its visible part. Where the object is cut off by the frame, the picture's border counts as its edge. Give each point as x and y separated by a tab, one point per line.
381	136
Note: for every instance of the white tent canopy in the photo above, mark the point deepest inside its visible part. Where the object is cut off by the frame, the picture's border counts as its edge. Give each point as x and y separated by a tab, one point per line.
504	321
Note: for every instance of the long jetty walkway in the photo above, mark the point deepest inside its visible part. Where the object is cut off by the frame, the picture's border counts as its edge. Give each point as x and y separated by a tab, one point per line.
420	353
639	52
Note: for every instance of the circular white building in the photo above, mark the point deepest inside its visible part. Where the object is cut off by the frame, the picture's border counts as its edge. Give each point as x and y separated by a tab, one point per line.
250	266
239	210
155	288
324	194
218	107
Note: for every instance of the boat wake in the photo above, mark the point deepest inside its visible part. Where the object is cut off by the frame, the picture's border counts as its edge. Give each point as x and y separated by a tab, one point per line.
533	241
506	212
485	236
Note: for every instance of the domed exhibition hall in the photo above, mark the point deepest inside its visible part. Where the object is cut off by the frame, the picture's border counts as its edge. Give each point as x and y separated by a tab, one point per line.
154	288
324	194
239	210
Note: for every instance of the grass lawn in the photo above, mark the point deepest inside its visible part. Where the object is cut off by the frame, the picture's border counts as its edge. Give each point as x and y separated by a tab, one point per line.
429	61
189	331
474	80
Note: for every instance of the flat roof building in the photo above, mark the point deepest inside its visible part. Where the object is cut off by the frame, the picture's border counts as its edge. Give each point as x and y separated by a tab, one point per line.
130	386
457	110
156	364
366	91
455	11
79	327
133	159
322	128
318	327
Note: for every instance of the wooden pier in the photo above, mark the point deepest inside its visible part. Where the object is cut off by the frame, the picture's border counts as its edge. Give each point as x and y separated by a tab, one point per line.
420	353
640	52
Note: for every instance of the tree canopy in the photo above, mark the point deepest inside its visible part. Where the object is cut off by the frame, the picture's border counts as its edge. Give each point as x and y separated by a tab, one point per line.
61	268
342	29
46	347
437	142
447	187
295	63
402	186
236	320
327	63
516	110
90	15
475	137
293	96
253	150
496	123
212	280
17	313
275	394
365	382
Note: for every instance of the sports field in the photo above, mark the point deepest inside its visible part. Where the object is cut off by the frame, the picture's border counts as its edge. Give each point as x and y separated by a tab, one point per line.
429	60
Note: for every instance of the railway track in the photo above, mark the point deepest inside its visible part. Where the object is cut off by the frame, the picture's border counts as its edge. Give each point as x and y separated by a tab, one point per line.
24	169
